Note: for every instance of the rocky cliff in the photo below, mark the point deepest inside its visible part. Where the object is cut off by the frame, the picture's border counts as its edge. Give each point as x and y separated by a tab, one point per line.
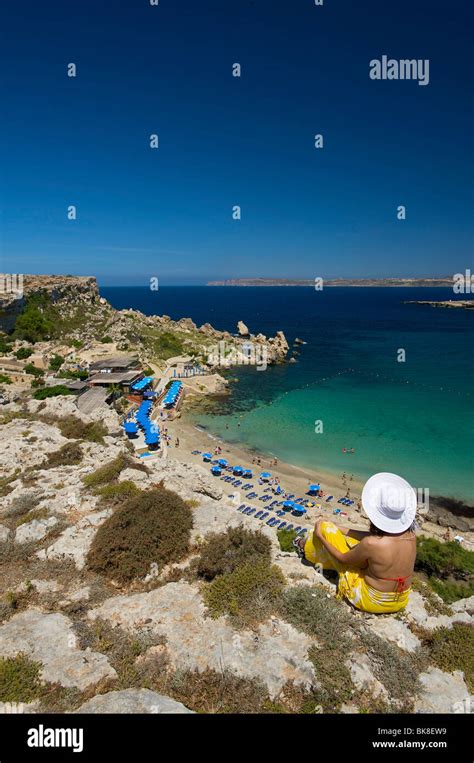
77	311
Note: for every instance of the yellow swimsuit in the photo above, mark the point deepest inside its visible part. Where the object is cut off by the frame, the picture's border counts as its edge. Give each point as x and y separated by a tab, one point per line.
352	584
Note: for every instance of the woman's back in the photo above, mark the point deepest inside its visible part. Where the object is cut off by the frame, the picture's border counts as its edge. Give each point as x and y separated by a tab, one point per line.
390	556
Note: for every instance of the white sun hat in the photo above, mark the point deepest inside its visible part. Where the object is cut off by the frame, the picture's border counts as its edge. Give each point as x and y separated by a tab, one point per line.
389	501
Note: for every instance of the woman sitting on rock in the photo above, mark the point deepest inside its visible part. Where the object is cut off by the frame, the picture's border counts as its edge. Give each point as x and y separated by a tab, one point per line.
375	567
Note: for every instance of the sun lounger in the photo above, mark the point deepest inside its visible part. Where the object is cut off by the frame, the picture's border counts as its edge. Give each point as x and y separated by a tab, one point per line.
282	525
251	511
265	515
290	527
258	515
329	498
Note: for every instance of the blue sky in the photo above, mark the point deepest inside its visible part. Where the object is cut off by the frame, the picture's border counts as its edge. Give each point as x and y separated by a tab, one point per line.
226	141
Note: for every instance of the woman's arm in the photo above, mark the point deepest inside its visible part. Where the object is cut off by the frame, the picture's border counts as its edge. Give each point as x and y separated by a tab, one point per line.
356	534
356	557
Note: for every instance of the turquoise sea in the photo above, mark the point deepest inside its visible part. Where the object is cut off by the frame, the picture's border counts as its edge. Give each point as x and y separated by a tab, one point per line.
414	417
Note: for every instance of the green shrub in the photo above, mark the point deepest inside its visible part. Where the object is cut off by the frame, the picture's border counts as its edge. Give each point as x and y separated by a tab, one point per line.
396	669
19	679
33	370
82	375
106	473
249	593
167	345
69	454
443	559
224	552
76	429
4	379
23	353
286	538
106	340
34	514
451	591
5	482
309	609
45	392
22	504
56	362
211	691
150	528
5	346
77	344
35	324
453	649
117	491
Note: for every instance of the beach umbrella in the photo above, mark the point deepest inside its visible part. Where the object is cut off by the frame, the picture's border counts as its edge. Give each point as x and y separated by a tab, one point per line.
288	505
247	473
207	456
299	508
278	490
237	470
222	462
265	475
216	470
314	488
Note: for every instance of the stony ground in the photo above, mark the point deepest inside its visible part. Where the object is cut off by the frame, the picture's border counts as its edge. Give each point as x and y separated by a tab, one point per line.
83	631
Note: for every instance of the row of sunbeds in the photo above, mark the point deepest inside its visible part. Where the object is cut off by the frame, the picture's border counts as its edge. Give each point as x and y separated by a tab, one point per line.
275	521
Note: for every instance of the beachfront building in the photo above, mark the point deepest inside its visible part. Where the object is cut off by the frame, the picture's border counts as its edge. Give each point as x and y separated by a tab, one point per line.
115	364
185	367
122	379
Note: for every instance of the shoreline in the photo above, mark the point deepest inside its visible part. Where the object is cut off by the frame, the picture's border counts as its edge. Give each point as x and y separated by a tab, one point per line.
293	478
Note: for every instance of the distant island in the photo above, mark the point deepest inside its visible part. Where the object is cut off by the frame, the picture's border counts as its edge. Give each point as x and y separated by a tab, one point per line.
433	282
463	304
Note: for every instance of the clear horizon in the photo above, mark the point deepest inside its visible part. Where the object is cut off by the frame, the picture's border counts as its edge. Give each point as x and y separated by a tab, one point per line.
224	141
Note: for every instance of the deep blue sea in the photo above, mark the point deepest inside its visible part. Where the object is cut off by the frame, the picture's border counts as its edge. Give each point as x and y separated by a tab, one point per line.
414	417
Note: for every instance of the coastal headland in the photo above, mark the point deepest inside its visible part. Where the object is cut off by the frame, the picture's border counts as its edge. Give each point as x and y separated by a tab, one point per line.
132	581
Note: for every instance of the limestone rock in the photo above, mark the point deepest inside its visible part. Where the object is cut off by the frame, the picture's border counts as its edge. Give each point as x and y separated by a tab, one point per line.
185	479
415	612
49	639
464	605
242	329
15	448
442	692
132	701
274	653
4	534
139	478
75	541
394	630
363	677
217	517
34	530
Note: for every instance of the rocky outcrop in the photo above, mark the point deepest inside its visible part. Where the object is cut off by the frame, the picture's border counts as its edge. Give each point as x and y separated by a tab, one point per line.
74	543
75	290
416	614
50	640
275	653
242	329
132	701
443	692
35	530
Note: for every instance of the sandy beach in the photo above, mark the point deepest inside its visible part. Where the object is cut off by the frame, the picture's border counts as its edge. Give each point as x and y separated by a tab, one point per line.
293	479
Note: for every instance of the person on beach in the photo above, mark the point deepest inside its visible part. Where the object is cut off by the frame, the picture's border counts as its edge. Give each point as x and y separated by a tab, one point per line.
375	567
